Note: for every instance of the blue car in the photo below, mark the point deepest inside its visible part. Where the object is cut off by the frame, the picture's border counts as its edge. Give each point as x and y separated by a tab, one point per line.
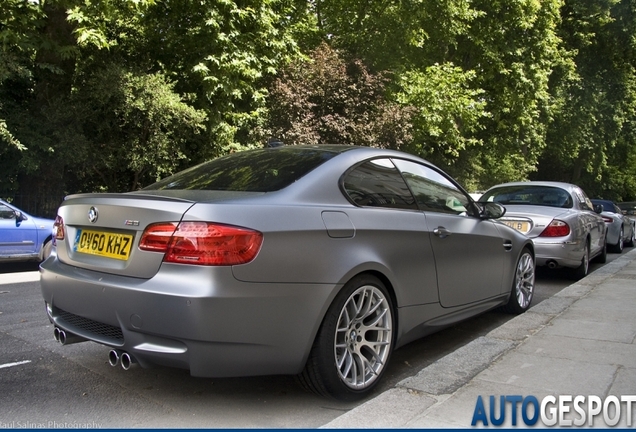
23	237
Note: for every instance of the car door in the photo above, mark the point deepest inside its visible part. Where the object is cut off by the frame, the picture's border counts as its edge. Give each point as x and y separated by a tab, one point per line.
593	222
469	251
16	235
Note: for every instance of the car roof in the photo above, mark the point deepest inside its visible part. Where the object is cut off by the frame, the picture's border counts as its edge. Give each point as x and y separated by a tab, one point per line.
562	185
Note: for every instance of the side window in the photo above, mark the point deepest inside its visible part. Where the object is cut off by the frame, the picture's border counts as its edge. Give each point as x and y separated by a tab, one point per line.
433	191
6	212
584	201
378	183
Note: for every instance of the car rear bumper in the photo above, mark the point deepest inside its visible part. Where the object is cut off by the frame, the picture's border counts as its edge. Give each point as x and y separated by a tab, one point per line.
558	253
209	323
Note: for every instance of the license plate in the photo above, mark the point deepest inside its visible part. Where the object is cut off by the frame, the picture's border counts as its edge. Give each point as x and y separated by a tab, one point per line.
520	226
110	245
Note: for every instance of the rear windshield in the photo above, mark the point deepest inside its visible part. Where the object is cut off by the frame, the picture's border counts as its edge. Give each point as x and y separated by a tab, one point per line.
529	195
608	206
262	170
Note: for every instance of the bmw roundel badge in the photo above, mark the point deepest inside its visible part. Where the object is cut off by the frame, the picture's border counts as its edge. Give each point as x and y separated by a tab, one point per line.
92	215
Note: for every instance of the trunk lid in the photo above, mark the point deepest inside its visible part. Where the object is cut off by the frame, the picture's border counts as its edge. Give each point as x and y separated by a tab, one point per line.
102	231
532	220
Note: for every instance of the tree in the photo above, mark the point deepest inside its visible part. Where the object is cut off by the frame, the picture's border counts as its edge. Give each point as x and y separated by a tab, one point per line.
591	141
327	100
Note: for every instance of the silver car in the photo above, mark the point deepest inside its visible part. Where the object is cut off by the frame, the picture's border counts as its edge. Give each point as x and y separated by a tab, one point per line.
620	228
317	261
566	229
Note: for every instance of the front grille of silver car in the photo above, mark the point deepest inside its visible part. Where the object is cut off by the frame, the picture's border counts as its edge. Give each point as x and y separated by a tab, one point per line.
100	330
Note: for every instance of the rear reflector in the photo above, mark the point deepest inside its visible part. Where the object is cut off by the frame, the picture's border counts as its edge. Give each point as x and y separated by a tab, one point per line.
58	229
202	243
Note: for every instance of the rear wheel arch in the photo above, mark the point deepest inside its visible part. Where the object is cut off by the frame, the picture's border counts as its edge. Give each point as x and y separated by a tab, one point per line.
320	374
583	270
45	250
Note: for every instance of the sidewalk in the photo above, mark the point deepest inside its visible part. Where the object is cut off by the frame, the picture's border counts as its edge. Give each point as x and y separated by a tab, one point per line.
581	341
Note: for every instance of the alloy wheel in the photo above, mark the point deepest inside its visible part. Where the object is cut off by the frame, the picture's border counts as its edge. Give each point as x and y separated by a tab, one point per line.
524	280
363	337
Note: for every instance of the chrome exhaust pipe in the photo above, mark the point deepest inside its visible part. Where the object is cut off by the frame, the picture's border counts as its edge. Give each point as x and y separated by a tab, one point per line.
65	338
56	334
552	264
127	361
114	356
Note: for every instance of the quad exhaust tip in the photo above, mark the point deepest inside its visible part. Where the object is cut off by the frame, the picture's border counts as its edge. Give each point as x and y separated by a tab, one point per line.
127	361
66	338
116	357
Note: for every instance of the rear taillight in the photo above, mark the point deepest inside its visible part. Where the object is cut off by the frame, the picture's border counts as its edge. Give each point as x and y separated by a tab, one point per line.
156	237
58	229
608	219
556	228
202	243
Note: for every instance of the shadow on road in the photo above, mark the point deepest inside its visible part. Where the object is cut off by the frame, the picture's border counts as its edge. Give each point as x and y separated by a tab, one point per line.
18	267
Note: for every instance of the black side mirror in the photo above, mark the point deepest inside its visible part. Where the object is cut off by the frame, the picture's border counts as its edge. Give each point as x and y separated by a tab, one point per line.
19	216
492	210
598	208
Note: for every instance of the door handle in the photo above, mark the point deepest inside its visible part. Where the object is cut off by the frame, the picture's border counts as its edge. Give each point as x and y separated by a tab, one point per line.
441	232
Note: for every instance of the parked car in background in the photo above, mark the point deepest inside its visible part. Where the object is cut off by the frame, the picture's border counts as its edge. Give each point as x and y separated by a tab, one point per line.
628	208
308	260
23	237
566	229
620	228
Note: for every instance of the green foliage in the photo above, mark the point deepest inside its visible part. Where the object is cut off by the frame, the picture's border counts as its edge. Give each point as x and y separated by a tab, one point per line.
592	135
112	94
450	110
137	128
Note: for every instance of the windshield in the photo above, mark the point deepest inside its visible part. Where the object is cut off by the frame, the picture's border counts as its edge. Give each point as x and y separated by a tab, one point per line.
262	170
529	195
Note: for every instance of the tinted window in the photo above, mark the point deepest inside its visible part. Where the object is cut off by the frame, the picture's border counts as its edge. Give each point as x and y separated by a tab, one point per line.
6	212
378	183
530	195
432	190
607	206
262	170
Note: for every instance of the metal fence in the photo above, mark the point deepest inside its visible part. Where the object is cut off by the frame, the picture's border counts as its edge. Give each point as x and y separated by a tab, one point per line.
36	205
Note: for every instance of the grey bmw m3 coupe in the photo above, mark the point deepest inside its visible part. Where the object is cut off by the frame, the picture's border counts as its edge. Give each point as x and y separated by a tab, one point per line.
314	261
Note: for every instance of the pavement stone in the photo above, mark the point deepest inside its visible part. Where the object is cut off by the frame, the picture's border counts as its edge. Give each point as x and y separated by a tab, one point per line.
580	342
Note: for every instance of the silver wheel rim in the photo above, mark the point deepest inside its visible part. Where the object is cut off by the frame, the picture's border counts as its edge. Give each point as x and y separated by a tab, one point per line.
586	259
524	281
363	337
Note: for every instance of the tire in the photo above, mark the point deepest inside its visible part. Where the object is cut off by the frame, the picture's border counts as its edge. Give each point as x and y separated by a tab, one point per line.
581	271
354	344
522	285
630	241
618	247
46	250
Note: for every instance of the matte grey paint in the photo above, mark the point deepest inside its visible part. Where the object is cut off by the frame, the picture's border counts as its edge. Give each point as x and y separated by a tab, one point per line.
262	317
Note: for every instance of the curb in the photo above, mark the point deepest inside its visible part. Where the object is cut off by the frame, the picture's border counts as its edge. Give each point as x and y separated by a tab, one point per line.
414	397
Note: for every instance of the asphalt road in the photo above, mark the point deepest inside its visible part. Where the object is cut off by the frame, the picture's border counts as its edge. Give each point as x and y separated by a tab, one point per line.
45	384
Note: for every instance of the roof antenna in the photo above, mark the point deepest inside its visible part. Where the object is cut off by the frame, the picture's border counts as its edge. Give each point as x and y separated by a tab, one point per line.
274	142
